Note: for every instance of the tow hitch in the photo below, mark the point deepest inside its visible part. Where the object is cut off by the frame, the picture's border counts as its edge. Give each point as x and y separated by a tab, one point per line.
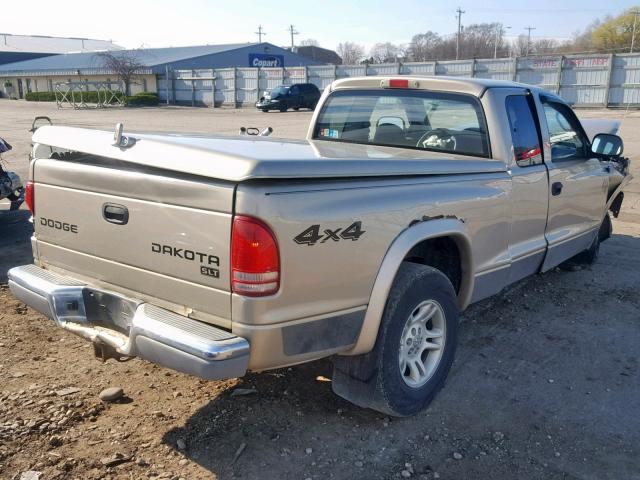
104	352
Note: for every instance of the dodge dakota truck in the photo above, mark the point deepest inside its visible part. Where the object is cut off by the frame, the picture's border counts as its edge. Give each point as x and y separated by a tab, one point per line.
410	199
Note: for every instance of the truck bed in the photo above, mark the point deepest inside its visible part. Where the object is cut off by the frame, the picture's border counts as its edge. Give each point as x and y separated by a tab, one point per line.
237	159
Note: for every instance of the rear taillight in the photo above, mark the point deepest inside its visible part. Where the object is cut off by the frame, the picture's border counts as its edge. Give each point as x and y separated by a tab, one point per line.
255	262
30	196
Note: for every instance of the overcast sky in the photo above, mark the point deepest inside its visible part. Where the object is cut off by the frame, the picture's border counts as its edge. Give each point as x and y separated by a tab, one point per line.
162	23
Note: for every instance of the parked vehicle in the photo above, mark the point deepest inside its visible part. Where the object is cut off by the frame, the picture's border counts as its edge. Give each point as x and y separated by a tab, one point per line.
412	198
10	184
297	96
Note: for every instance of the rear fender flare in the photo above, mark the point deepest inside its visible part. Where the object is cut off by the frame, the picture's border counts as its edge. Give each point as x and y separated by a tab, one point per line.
400	247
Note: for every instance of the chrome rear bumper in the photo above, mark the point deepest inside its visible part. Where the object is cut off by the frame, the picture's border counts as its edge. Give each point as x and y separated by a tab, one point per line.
132	327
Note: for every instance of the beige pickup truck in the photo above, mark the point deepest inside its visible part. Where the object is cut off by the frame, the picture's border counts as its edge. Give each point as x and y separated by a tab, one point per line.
410	199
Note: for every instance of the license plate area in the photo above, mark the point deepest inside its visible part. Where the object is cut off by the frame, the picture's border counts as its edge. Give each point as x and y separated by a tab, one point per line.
109	310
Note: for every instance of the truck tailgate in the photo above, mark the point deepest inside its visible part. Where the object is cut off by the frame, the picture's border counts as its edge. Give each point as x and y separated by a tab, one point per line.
162	235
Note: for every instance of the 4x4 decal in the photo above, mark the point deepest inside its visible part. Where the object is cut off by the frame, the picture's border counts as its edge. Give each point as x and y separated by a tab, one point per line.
312	235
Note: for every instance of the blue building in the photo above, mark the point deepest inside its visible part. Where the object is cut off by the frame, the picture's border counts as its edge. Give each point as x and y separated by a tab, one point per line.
41	74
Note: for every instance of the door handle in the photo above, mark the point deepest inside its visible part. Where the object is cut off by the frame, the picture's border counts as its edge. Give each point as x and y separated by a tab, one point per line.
114	213
556	188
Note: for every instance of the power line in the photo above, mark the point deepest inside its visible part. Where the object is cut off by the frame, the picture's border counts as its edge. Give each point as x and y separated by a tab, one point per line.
293	32
459	11
260	33
529	38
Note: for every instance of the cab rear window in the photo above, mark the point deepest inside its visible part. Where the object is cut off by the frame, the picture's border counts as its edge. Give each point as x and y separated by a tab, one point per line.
415	119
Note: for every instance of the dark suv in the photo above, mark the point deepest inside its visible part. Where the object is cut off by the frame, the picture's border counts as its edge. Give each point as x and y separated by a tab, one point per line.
284	97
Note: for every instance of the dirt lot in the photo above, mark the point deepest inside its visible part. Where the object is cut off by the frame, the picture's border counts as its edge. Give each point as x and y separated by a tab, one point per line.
545	385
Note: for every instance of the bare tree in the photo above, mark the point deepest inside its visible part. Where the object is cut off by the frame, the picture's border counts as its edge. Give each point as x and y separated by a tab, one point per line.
479	40
124	64
424	46
351	53
544	46
387	53
520	46
309	42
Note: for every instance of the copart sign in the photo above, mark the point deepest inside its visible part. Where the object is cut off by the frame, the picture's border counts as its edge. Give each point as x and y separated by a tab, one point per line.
265	60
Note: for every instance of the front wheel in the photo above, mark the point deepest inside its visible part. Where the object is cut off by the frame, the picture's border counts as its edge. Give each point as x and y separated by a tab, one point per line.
584	258
414	350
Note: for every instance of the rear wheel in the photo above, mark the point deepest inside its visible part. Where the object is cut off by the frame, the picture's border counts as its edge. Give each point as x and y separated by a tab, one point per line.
283	108
414	350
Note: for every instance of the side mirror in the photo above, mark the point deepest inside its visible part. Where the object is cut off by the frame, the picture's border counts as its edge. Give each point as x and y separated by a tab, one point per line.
607	145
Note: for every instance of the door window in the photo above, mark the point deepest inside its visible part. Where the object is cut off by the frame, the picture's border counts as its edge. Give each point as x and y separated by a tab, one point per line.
295	91
565	134
524	131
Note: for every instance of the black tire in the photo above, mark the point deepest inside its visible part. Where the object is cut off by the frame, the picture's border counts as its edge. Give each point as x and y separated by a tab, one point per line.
296	109
283	109
606	229
16	196
585	258
374	380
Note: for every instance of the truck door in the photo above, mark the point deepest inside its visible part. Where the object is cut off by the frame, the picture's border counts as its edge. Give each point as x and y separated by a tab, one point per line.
529	199
577	185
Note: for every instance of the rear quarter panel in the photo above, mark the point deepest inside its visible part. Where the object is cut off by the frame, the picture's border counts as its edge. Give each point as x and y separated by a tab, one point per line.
333	276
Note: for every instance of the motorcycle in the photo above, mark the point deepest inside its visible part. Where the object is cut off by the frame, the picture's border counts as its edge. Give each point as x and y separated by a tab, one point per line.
11	186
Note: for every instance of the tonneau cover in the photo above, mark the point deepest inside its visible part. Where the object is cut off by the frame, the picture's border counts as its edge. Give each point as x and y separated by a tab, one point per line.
247	157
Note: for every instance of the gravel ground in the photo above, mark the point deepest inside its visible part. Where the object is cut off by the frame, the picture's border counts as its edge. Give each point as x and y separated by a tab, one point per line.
545	384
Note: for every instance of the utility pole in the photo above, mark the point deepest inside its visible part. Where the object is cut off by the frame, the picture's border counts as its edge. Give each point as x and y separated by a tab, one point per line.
459	13
293	32
529	39
633	35
260	33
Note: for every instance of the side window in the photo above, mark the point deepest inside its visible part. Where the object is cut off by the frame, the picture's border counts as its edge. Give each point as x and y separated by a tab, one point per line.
524	131
295	90
565	134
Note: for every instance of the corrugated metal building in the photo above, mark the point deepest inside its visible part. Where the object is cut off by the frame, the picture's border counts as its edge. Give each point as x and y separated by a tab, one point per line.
16	48
42	74
319	54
